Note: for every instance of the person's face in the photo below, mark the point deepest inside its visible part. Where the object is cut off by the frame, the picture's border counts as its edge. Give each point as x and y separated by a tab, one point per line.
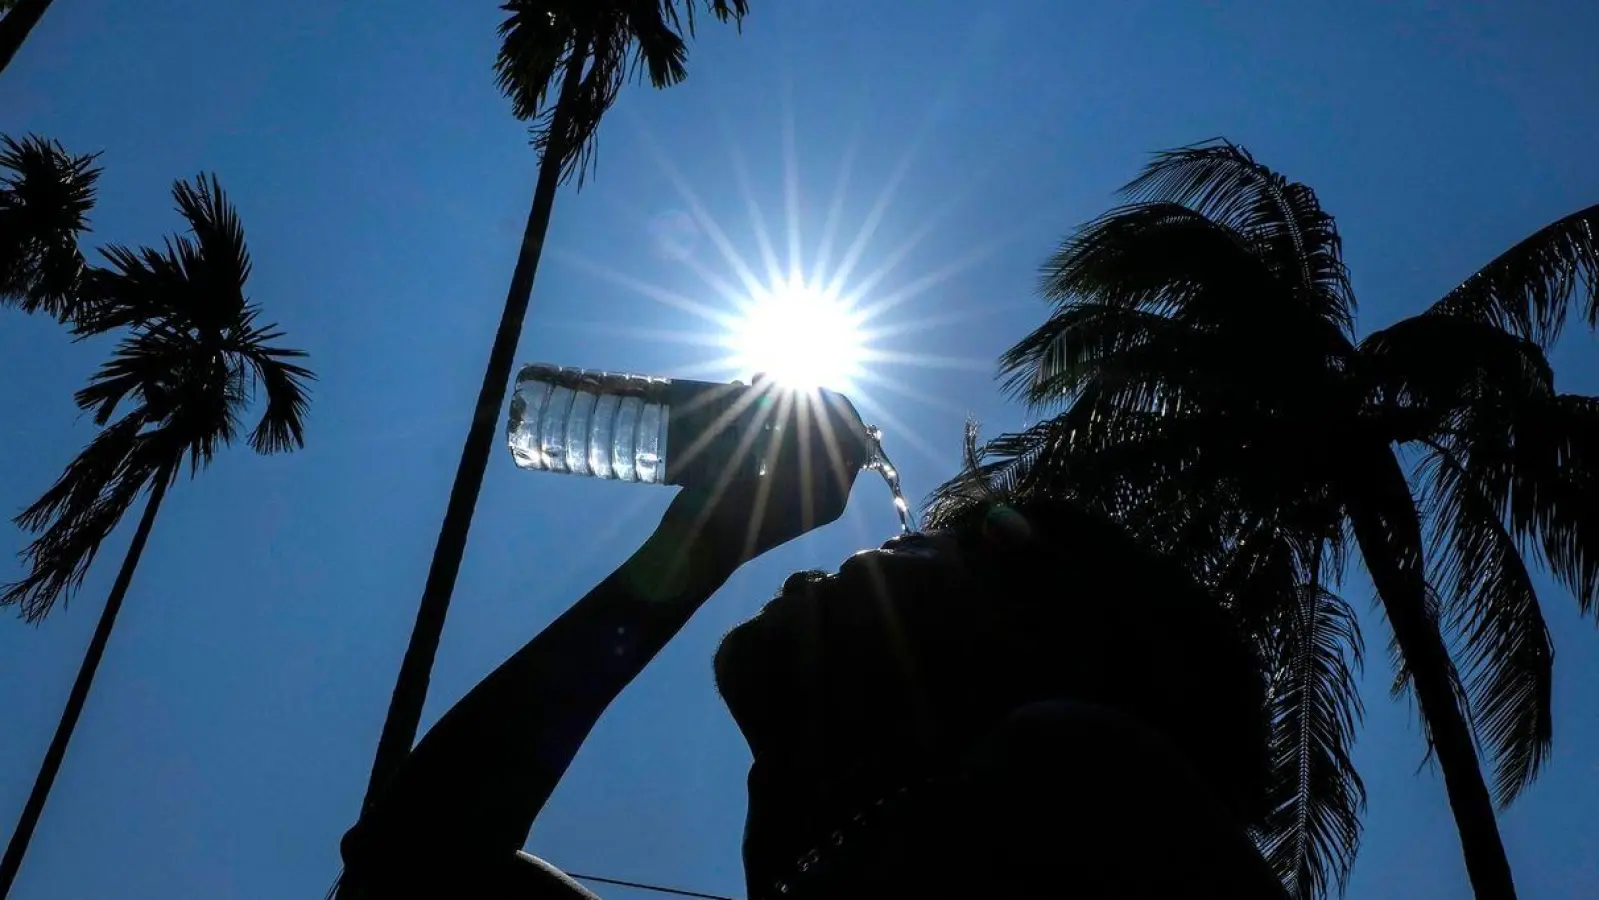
843	683
782	670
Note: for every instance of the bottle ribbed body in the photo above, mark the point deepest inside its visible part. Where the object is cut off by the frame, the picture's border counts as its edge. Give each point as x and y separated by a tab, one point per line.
649	430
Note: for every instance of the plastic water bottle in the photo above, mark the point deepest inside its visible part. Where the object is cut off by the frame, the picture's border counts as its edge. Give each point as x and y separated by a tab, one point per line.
671	431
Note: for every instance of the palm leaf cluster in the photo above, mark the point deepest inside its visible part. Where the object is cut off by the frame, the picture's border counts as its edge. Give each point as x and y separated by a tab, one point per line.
1203	385
46	194
605	44
192	358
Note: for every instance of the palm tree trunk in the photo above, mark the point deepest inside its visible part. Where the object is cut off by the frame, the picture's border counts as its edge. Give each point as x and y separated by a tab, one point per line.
1384	531
12	862
411	688
14	28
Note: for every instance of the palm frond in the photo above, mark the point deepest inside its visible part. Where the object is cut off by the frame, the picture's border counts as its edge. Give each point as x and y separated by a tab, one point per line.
83	481
1159	306
535	40
1284	222
1053	458
1536	462
1561	503
145	366
135	287
723	11
1179	482
655	44
1492	607
1145	255
1527	289
1133	269
1423	373
218	261
1090	342
282	424
46	194
1487	398
965	489
1312	833
88	501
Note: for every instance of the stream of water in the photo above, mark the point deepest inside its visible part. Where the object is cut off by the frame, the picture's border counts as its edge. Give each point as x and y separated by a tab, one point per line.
878	462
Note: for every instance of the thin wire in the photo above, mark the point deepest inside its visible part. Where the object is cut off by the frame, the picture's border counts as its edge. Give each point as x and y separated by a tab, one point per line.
647	887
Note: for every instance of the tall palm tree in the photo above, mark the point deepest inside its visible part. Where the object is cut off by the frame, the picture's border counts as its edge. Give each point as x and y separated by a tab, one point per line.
192	358
582	53
17	18
1204	383
45	197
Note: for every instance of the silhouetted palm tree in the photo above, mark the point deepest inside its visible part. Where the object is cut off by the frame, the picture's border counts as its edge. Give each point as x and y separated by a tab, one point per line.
190	363
1204	384
17	18
561	64
45	197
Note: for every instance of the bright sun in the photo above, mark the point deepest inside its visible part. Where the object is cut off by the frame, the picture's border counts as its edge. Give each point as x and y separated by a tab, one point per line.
800	335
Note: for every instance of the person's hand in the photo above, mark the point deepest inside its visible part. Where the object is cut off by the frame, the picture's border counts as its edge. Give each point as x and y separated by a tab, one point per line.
806	485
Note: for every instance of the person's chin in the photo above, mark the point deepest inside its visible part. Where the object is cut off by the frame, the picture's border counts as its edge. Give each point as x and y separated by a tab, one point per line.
753	667
759	665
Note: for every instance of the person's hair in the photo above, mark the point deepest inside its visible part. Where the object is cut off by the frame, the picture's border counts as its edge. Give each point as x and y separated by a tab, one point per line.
1051	551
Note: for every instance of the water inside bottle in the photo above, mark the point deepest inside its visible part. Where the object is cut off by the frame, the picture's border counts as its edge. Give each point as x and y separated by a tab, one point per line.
600	424
878	462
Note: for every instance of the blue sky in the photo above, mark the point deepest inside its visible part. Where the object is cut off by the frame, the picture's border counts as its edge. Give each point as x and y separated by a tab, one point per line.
383	185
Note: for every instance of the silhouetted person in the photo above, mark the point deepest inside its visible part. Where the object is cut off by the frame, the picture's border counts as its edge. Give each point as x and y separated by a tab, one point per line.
1020	705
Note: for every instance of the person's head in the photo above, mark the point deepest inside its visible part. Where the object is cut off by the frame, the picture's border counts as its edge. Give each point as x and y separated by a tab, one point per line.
845	685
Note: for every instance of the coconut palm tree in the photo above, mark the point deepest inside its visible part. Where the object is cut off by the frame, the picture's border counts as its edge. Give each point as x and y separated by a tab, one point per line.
561	64
17	18
185	373
45	197
1203	382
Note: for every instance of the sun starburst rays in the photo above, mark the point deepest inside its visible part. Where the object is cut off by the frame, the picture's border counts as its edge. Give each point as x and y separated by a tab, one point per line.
804	313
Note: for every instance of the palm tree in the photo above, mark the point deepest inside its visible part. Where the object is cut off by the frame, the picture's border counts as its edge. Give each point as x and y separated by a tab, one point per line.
45	197
1204	384
582	53
17	18
193	355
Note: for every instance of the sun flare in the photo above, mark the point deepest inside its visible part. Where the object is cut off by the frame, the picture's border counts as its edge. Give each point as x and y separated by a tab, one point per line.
825	304
800	335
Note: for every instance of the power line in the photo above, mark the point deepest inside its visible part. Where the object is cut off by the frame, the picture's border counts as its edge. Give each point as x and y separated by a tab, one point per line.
647	887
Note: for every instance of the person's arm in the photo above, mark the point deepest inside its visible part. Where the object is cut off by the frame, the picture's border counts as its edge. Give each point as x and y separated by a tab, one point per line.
485	770
477	780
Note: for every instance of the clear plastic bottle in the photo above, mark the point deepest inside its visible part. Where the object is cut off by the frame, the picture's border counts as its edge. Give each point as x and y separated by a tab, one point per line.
669	431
